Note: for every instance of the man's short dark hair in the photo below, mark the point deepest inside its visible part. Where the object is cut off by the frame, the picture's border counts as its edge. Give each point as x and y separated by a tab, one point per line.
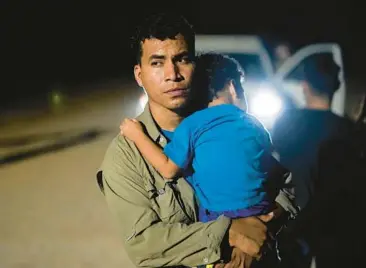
213	72
163	26
322	73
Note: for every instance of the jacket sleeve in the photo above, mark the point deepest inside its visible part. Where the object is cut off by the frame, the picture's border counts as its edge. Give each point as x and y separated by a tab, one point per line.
286	196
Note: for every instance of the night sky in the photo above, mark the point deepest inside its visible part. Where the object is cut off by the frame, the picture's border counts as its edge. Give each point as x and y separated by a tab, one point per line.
68	42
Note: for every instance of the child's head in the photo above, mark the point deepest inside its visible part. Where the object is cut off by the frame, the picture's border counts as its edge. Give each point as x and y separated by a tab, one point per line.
218	77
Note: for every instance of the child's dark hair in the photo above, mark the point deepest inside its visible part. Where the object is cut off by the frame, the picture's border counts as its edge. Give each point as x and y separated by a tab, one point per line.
162	26
213	72
321	72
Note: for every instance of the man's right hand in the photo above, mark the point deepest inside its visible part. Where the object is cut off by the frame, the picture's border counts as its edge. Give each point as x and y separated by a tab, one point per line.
239	259
249	234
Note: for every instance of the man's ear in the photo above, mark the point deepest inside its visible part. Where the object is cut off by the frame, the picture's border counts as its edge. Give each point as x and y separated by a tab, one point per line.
137	72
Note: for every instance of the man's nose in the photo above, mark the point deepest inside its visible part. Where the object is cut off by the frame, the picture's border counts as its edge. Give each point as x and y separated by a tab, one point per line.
172	72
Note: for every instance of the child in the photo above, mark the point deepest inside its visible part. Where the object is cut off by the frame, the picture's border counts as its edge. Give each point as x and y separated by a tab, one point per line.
228	149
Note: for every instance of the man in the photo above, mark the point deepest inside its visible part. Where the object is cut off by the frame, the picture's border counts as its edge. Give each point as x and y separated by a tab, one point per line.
339	189
299	136
158	219
282	52
298	133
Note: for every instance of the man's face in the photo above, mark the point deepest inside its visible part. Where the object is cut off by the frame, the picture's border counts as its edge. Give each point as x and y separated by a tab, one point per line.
165	72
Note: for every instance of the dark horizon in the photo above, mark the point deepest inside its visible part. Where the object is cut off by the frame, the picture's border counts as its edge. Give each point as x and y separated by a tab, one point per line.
51	42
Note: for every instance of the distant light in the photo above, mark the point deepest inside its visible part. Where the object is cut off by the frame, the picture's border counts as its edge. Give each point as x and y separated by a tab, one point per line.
56	98
265	104
57	101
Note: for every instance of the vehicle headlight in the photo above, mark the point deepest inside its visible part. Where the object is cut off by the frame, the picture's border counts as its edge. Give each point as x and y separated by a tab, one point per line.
265	104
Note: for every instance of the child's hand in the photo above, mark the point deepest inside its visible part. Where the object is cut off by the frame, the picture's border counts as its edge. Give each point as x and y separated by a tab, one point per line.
131	128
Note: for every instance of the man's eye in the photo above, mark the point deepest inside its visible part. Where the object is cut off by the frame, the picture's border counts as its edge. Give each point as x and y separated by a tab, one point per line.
185	60
156	63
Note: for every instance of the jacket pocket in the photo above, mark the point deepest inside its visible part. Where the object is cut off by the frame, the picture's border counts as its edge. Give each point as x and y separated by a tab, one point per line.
168	205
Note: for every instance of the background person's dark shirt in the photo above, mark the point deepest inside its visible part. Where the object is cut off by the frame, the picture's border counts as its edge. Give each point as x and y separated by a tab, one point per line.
297	136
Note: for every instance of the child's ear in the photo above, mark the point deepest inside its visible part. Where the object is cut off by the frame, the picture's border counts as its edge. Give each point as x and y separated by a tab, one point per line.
232	90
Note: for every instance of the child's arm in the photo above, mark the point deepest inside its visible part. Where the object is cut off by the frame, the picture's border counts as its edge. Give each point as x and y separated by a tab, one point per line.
132	129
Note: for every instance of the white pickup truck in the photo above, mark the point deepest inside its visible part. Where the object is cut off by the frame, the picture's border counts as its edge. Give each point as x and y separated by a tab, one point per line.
269	91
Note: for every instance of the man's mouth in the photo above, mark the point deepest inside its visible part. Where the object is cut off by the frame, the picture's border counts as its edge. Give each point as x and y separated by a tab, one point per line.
177	92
